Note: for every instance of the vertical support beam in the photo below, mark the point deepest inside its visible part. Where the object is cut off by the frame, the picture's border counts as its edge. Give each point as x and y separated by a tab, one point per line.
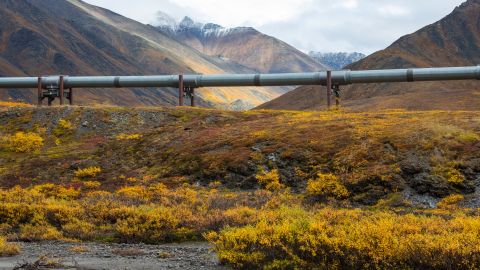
192	96
39	91
329	89
70	100
62	90
336	92
181	90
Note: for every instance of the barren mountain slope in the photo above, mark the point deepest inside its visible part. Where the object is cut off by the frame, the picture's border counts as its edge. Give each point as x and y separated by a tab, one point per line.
75	38
452	41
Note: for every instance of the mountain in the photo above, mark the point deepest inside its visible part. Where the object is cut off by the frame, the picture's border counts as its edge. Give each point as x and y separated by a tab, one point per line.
243	45
336	60
75	38
452	41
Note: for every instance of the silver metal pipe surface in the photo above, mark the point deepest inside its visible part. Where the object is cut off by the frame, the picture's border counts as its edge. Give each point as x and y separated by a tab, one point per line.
342	77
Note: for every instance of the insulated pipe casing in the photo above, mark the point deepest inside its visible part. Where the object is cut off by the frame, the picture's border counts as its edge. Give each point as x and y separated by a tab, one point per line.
342	77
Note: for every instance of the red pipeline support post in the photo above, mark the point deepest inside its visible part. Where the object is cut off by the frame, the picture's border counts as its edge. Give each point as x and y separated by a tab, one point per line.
192	96
181	90
62	91
329	89
39	91
70	98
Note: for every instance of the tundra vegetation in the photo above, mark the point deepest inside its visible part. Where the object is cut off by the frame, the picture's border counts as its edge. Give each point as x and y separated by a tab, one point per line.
270	189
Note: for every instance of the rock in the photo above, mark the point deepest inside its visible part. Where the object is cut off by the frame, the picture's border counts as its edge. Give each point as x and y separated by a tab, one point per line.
85	124
272	157
434	185
414	165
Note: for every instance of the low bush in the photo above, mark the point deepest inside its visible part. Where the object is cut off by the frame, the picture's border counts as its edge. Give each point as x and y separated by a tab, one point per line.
292	238
8	249
270	180
326	186
450	201
64	128
88	172
22	142
128	137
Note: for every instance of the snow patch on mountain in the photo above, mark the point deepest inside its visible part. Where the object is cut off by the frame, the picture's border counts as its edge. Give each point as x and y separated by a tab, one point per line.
336	60
187	24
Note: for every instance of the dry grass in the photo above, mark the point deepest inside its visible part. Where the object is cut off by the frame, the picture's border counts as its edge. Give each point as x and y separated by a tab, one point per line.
197	171
128	252
8	249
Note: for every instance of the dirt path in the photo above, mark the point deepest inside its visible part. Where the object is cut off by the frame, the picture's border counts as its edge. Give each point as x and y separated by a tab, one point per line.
117	256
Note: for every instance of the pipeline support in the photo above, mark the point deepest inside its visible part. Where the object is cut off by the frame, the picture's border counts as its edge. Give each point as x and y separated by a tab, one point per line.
329	88
51	86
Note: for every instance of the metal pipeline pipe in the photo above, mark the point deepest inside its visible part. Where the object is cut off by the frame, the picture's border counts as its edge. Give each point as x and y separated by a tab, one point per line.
343	77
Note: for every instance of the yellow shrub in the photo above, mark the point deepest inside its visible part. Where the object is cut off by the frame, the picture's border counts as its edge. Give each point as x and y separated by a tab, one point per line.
22	142
79	229
468	137
39	232
454	176
350	239
7	249
88	172
134	192
63	128
449	172
326	185
148	225
450	201
91	184
57	191
270	180
18	104
128	137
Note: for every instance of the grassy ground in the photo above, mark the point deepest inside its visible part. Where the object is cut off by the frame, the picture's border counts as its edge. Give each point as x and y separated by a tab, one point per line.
281	189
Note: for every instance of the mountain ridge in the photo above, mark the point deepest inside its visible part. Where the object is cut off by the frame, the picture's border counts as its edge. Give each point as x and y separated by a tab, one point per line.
258	51
75	38
452	41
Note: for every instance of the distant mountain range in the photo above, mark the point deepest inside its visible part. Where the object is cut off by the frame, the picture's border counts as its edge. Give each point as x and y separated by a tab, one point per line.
452	41
243	45
39	37
336	60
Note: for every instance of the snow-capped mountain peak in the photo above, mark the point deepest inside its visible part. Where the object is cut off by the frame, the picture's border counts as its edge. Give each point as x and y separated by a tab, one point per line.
336	60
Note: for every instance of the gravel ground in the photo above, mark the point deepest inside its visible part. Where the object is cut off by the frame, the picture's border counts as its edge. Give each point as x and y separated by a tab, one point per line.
197	255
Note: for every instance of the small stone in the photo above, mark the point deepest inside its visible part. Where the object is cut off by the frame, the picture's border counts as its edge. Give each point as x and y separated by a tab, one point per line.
256	149
272	157
85	124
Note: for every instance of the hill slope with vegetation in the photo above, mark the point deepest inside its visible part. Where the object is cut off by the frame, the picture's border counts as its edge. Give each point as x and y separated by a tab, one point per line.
268	188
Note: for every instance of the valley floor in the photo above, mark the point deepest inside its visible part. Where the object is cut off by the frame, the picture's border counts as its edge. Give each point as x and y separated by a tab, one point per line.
268	189
93	256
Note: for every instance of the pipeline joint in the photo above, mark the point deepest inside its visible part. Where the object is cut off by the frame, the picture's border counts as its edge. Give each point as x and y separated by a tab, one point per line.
410	75
116	82
256	80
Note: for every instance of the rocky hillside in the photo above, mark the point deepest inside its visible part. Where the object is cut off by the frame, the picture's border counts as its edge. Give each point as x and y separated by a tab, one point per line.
75	38
336	60
452	41
243	45
420	156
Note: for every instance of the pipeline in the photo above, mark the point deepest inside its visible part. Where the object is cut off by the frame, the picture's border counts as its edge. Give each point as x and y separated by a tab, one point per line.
342	77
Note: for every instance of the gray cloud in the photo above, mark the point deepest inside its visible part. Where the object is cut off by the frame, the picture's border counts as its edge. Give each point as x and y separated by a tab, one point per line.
320	25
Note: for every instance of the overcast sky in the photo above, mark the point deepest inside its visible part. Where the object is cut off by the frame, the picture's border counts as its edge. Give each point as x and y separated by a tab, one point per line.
320	25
